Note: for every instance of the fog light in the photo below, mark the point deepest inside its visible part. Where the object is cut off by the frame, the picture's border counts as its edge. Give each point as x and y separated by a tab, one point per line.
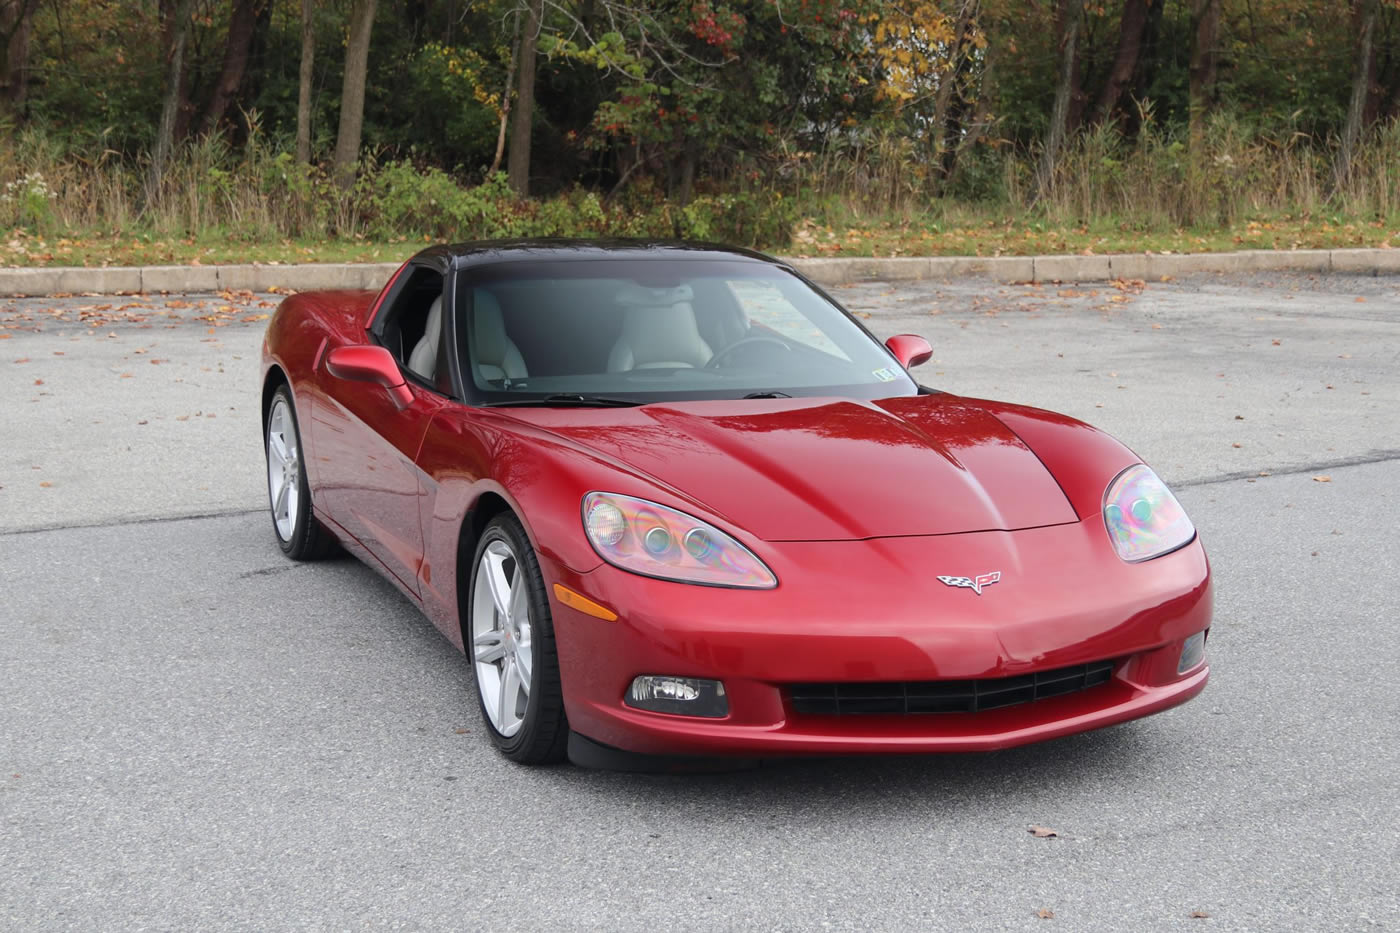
1192	652
686	696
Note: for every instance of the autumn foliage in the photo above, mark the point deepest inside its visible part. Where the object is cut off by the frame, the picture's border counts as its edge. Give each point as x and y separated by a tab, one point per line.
1159	113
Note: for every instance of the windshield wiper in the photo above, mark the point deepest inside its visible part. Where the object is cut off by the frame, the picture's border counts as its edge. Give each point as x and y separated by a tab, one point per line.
569	398
767	395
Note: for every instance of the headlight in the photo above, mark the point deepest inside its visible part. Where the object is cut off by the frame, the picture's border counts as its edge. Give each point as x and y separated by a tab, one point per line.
655	541
1143	517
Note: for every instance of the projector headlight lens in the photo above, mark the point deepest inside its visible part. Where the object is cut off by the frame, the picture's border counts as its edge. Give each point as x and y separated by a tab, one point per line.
1143	517
655	541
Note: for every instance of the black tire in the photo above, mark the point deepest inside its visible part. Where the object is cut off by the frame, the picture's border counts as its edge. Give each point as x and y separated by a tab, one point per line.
298	533
543	733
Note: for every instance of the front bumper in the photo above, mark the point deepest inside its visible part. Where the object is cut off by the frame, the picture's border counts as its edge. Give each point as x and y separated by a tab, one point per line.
873	611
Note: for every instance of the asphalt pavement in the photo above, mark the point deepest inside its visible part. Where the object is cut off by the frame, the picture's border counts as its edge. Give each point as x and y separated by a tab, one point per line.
197	734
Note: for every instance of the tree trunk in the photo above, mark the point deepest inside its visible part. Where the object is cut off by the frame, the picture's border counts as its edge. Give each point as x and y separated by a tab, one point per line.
505	102
1130	33
976	126
689	158
941	126
519	163
1365	16
1069	17
241	22
174	93
308	64
352	96
1149	61
1206	20
16	26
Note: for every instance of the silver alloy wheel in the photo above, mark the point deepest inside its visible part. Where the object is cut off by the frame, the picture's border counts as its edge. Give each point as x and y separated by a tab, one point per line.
501	643
283	468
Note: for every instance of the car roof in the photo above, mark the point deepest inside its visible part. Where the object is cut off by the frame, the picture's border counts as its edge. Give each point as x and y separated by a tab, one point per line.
478	252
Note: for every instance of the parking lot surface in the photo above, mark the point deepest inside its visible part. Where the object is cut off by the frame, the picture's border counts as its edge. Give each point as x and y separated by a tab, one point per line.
198	734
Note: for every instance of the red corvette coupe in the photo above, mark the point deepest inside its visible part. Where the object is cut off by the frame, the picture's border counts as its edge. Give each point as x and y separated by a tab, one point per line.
677	504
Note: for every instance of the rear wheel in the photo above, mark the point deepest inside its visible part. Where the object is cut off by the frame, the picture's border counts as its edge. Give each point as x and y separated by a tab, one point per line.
299	535
512	647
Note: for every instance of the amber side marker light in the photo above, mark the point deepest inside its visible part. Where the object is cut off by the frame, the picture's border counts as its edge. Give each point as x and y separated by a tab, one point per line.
583	604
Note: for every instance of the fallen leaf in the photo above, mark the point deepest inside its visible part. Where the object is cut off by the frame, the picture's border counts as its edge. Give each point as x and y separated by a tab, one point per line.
1199	915
1278	343
1239	417
1045	913
462	731
1360	300
1042	832
1236	445
46	484
22	359
1322	479
38	382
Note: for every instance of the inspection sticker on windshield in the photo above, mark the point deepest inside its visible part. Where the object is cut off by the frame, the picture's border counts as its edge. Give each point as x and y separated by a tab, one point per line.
884	375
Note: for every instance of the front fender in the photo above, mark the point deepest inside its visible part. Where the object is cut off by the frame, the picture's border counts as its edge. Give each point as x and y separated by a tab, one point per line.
1083	459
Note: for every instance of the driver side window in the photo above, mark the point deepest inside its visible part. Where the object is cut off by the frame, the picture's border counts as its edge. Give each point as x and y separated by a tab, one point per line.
413	331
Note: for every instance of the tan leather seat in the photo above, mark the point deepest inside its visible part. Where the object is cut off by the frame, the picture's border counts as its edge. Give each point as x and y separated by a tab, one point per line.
495	356
658	331
423	359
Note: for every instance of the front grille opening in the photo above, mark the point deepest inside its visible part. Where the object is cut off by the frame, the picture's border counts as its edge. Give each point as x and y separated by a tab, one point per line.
944	696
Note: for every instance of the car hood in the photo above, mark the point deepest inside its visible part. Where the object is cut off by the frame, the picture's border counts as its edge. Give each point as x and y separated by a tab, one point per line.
820	469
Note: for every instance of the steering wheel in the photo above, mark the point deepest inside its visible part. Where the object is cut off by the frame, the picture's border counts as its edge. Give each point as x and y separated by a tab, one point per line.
717	360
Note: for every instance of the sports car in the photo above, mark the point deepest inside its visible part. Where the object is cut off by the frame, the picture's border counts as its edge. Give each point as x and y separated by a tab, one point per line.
677	505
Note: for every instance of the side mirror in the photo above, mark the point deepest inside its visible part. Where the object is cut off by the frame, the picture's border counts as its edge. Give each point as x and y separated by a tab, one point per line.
370	364
910	349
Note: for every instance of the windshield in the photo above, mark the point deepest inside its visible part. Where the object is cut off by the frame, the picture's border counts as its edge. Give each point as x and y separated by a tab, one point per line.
643	330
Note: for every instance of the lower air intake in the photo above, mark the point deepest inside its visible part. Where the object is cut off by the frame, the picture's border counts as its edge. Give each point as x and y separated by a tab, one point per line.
944	696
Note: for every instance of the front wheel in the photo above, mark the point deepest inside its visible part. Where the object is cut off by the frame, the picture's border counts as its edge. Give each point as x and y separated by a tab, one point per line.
512	647
299	535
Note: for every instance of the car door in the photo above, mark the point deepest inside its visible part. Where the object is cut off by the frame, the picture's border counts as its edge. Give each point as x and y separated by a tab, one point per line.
368	440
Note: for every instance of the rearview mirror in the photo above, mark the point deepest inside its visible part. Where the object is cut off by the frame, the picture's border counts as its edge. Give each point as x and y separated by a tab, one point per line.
910	349
370	364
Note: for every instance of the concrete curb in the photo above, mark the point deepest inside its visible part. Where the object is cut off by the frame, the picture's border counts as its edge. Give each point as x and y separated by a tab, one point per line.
825	271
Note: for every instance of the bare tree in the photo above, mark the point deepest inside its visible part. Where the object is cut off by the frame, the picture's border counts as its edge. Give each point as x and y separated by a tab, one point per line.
948	101
243	19
1365	12
308	62
518	166
1069	17
1131	29
352	97
16	25
1206	20
505	101
174	82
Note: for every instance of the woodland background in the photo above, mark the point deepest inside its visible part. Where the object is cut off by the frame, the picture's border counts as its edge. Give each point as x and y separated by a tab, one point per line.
141	130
